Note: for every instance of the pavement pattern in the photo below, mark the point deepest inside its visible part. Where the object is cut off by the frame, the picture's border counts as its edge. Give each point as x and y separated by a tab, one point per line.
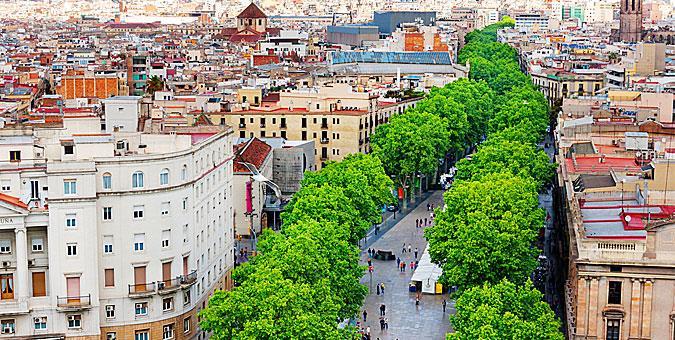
406	321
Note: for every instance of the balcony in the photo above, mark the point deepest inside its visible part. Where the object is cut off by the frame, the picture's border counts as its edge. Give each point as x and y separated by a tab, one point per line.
262	125
283	125
73	303
324	140
189	279
142	289
324	157
324	125
168	286
242	125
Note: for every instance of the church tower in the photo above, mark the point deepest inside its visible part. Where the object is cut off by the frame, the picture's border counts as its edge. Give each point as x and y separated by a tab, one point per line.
630	21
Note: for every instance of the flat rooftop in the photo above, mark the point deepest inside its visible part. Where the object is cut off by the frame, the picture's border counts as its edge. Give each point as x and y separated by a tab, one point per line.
616	219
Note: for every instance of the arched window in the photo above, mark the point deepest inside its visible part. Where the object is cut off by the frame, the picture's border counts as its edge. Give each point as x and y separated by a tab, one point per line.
164	177
183	173
137	179
107	181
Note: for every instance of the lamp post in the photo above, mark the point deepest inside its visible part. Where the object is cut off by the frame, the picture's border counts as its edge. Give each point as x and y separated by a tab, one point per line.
622	182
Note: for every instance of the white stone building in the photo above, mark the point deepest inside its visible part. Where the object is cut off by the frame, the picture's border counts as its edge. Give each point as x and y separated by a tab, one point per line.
118	236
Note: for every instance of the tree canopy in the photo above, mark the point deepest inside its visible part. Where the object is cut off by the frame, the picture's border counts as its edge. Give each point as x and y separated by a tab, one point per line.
504	311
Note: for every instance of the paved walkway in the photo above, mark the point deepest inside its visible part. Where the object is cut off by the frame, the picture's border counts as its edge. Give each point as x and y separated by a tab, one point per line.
405	320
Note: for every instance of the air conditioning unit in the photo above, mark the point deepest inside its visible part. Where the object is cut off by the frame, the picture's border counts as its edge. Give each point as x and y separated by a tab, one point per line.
160	285
6	263
31	263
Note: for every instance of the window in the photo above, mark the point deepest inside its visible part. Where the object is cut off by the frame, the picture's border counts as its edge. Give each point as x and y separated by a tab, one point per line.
108	244
69	187
107	213
186	325
71	220
110	311
109	277
7	326
185	201
141	308
186	297
614	294
167	332
167	304
107	181
613	329
142	335
14	156
164	177
138	211
5	246
139	242
68	149
74	321
40	323
111	336
166	237
183	173
6	185
71	249
137	180
37	245
164	208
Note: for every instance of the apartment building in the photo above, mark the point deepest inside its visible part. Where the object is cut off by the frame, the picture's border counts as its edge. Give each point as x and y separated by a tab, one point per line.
339	120
117	236
618	193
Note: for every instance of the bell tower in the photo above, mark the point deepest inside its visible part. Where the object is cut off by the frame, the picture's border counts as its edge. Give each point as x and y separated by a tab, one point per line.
630	21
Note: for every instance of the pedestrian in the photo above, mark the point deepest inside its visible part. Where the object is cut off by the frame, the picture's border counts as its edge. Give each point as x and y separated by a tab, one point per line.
382	288
381	323
417	301
398	261
383	310
365	315
403	248
417	223
444	303
428	206
386	323
425	222
432	206
415	253
403	267
370	262
378	289
417	263
409	249
368	331
412	266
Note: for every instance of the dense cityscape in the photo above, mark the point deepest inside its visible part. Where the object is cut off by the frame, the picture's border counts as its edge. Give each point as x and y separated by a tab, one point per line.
203	169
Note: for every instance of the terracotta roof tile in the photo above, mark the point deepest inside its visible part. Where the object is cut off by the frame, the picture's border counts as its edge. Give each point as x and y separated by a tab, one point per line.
254	151
252	12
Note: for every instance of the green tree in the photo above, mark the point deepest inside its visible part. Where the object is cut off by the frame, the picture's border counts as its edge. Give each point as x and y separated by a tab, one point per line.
519	159
454	113
504	311
362	179
486	231
411	143
155	84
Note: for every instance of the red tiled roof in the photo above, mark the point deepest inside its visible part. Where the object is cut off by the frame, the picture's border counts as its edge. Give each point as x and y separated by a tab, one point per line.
251	12
592	164
251	38
13	201
254	151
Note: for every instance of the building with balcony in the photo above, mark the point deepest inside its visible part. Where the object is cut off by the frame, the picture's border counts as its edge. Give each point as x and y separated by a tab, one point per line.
112	235
617	197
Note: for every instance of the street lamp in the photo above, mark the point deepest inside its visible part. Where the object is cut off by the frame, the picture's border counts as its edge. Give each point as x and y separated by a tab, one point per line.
622	183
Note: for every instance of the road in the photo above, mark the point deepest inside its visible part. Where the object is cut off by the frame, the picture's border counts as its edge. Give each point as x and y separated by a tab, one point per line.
406	321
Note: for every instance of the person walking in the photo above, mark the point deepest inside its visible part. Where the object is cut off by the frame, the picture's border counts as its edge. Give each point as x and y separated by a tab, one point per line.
412	266
409	249
425	222
381	324
368	331
378	289
383	310
428	206
417	301
403	248
365	315
386	323
444	304
382	288
415	253
398	261
403	267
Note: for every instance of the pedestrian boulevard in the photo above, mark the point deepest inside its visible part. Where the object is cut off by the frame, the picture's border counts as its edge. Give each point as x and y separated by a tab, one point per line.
405	320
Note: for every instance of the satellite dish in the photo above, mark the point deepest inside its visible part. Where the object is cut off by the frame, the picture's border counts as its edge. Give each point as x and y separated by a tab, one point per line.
627	218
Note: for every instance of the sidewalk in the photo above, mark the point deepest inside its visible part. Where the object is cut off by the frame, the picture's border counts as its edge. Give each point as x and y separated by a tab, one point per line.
406	321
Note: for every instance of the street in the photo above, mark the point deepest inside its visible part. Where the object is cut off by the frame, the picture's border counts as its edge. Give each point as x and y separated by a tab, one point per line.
405	320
